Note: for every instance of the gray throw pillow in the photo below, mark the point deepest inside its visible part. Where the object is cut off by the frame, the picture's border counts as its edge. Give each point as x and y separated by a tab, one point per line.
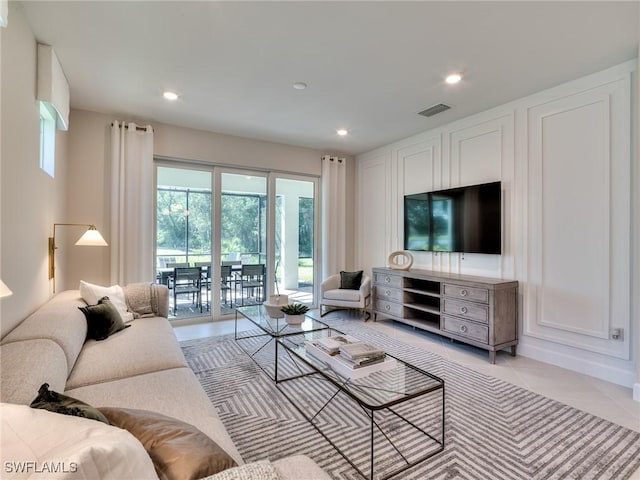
351	280
103	319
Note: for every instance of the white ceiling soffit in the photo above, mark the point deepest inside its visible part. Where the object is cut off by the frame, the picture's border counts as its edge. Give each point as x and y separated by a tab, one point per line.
370	66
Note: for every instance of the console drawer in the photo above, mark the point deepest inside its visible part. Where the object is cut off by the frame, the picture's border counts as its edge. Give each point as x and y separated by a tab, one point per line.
462	328
388	280
388	307
474	311
384	292
467	293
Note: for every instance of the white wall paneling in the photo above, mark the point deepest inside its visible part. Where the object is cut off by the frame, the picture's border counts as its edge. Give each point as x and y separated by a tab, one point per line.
419	169
564	159
374	210
481	151
578	201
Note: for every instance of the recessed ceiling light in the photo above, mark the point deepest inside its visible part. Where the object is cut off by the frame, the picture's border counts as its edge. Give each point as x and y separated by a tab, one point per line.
299	85
342	132
170	95
453	78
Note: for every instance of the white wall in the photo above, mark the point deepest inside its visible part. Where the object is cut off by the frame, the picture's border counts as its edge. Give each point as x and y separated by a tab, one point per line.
88	192
564	159
31	201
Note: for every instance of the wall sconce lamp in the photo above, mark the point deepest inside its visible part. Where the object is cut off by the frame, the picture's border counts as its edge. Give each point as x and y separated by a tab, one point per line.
91	238
4	290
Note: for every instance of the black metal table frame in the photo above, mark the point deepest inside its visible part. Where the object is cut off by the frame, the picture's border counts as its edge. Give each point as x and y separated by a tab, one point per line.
272	338
369	411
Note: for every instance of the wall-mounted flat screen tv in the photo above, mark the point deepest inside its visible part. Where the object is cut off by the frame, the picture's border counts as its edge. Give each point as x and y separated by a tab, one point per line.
464	219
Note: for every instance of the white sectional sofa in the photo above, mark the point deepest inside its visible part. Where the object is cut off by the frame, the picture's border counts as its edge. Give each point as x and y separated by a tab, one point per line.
140	367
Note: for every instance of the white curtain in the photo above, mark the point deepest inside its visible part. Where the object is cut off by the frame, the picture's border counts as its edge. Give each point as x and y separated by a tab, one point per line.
334	223
132	242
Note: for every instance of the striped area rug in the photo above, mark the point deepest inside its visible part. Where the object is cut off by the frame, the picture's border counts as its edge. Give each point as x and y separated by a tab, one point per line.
493	430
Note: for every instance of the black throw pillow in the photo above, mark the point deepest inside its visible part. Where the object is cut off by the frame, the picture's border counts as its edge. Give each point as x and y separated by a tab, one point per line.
61	403
103	319
351	280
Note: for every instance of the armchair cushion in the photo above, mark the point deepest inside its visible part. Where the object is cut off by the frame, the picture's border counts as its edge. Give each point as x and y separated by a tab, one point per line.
351	280
343	294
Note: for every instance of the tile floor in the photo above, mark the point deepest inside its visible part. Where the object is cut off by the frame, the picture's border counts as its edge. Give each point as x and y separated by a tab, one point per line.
604	399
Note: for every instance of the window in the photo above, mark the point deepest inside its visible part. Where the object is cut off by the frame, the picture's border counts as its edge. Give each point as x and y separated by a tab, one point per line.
47	139
183	225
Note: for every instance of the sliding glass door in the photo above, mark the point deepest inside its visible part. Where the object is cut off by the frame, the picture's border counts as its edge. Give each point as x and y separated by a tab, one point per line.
295	239
243	236
251	234
184	239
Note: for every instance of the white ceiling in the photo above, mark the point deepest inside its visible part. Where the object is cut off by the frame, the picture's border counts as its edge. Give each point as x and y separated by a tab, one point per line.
370	66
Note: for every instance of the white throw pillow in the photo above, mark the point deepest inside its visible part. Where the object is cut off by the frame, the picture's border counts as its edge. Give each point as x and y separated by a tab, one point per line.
91	293
38	444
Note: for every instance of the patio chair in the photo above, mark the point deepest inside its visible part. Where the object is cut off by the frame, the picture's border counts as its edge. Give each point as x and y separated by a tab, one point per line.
226	284
252	282
187	280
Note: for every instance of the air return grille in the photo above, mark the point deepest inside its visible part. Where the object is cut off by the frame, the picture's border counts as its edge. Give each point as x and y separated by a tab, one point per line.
431	111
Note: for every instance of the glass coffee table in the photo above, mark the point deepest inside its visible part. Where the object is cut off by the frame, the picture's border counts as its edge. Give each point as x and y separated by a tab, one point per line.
382	422
259	344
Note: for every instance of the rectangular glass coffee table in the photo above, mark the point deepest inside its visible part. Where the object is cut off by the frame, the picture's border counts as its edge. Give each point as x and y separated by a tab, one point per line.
259	344
383	422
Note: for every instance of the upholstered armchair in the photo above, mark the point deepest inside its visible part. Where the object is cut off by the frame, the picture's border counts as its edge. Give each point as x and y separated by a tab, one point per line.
331	295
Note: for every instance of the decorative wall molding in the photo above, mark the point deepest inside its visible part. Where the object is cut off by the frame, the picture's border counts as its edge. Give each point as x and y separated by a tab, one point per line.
508	133
578	218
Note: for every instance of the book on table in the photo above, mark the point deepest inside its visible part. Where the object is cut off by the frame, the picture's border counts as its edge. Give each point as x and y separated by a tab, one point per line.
345	367
358	350
332	345
348	350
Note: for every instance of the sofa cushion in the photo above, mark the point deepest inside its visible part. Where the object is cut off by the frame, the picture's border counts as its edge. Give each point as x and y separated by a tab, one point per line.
149	345
60	403
342	294
28	364
81	448
59	320
176	393
179	450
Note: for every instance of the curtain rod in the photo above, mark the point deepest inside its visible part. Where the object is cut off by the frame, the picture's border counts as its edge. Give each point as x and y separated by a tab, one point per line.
138	128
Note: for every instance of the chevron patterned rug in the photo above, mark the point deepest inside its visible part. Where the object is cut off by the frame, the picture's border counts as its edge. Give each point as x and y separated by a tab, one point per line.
494	430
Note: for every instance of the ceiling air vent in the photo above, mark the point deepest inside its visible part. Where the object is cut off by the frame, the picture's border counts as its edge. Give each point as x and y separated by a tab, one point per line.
431	111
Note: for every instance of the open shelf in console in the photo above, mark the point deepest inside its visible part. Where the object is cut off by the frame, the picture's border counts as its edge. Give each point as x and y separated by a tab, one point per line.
423	318
423	287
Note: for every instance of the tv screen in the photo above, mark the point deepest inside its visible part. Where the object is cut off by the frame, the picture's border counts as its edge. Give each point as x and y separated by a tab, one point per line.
464	219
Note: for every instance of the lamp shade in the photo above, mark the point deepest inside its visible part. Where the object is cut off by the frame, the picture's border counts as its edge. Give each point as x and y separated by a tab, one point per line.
4	290
92	238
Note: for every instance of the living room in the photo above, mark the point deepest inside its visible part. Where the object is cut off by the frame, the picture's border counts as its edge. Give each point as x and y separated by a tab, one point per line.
79	192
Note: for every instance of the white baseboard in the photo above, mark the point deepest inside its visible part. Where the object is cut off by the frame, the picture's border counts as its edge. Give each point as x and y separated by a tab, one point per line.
587	363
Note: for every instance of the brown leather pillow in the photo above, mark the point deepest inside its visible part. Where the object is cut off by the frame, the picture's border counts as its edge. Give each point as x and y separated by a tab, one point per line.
178	450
